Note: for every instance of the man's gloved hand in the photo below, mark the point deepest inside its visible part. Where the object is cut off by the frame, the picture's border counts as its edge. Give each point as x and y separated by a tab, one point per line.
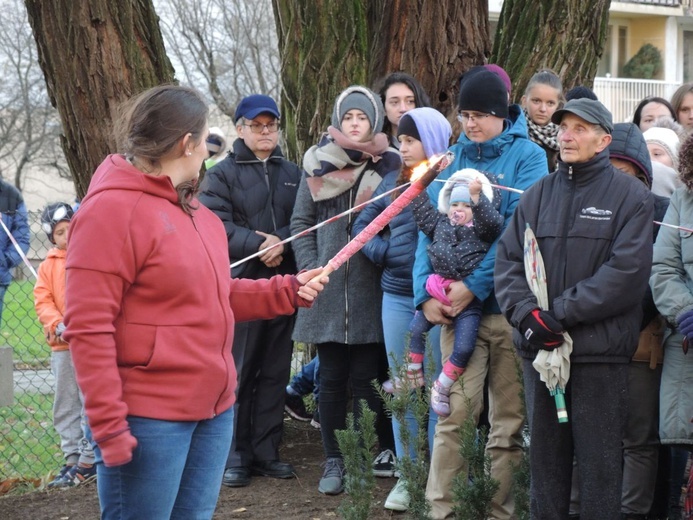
542	330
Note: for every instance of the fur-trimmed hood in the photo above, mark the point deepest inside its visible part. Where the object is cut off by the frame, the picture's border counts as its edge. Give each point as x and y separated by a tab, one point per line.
686	163
464	176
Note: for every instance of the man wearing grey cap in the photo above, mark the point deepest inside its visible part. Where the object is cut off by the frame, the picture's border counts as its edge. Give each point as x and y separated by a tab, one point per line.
594	230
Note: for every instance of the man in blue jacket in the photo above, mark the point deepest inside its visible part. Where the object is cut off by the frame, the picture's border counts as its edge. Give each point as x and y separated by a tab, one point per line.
14	216
494	140
594	229
253	191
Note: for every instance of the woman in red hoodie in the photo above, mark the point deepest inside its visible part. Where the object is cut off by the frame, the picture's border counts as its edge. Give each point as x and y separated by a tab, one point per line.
150	315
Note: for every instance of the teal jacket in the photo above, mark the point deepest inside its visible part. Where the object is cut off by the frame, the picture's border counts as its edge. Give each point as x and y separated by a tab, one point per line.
518	163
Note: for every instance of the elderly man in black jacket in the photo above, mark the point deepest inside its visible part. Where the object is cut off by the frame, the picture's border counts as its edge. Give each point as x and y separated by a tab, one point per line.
253	191
594	229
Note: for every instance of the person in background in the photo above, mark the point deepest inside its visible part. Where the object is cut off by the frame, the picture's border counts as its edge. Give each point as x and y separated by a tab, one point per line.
49	302
671	282
543	96
500	72
216	146
494	140
628	152
649	110
400	93
305	382
580	92
342	171
253	191
663	146
14	217
600	219
150	312
424	134
682	103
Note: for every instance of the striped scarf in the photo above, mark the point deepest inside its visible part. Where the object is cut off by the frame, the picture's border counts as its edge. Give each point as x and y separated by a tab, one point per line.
542	135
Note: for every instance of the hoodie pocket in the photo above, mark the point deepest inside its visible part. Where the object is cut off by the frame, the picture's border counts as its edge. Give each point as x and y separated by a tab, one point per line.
135	344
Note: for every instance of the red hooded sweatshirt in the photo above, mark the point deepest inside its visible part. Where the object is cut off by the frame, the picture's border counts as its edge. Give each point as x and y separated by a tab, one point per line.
151	306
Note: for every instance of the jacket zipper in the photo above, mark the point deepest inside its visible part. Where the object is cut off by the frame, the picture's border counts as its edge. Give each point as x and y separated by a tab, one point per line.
566	225
269	189
226	328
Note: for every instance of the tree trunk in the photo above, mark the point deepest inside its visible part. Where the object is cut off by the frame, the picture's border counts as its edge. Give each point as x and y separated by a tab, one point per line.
567	36
435	41
327	45
95	54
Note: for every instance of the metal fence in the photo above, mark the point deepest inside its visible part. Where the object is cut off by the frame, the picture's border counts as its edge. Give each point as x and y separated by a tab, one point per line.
29	445
621	96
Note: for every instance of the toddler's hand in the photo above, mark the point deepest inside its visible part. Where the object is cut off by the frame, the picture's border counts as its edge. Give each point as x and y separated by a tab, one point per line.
475	187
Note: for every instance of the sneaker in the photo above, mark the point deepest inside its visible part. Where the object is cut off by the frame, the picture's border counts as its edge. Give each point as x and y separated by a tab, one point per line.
81	475
296	408
57	481
440	399
398	499
384	464
415	380
315	421
332	481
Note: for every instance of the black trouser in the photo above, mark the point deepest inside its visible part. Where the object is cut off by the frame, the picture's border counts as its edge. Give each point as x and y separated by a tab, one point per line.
596	400
262	353
340	364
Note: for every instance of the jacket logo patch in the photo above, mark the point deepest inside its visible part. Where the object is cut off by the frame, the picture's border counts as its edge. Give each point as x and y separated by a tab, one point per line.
292	184
593	213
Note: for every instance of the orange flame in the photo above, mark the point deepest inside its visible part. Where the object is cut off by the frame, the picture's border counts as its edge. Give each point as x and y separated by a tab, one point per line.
419	170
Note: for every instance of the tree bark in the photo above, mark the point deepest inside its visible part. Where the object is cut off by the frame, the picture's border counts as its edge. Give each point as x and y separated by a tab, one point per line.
327	45
567	36
435	41
95	54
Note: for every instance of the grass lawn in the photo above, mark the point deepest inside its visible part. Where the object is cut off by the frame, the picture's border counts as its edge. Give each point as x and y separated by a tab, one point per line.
21	329
29	445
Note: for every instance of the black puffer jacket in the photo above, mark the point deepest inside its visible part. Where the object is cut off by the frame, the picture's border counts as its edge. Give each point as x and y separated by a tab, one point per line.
593	227
250	195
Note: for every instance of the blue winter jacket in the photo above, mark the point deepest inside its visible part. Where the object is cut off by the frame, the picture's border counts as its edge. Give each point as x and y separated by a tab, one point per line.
14	216
518	163
393	248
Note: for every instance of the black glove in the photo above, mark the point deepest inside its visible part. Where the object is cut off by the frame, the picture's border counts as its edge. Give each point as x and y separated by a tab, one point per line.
542	330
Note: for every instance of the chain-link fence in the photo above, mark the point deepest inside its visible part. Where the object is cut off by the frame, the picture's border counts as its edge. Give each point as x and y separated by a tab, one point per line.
29	444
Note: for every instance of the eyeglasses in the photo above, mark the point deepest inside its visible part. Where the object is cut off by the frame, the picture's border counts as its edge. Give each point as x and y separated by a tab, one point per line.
466	116
258	128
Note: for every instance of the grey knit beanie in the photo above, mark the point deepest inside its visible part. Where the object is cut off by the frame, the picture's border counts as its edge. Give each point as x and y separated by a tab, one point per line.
363	99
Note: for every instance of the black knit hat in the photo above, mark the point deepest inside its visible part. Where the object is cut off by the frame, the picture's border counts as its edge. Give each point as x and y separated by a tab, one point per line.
407	126
483	91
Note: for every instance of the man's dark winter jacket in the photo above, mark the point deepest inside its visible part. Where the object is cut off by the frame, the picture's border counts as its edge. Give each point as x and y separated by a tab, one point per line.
594	230
250	195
